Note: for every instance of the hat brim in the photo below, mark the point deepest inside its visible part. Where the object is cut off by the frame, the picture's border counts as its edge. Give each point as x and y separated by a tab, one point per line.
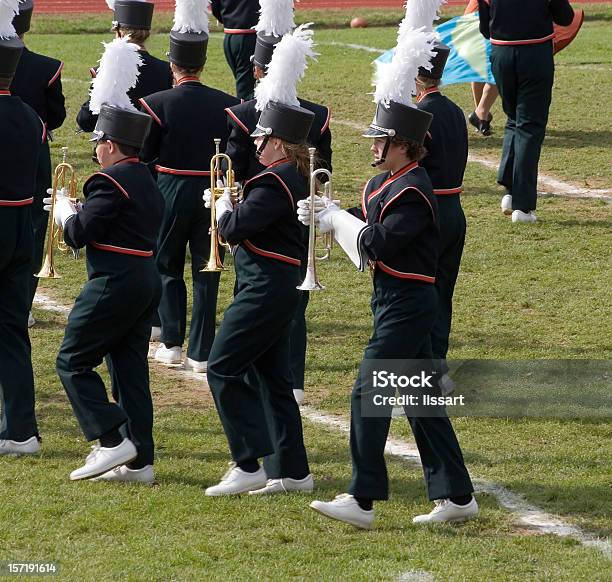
96	137
374	132
259	132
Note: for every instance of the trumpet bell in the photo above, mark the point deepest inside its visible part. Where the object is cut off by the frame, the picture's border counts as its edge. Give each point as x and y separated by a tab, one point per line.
48	270
311	282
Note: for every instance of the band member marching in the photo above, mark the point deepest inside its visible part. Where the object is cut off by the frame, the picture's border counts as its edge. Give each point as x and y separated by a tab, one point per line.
186	119
111	318
132	19
38	82
447	151
248	372
275	21
396	231
22	137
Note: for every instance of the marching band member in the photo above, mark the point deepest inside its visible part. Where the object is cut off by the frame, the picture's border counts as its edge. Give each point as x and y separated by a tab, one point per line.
112	315
275	21
238	18
22	136
39	84
248	372
132	19
395	230
447	151
186	119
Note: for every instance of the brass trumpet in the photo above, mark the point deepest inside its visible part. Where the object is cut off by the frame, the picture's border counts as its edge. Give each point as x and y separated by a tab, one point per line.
64	175
215	264
311	281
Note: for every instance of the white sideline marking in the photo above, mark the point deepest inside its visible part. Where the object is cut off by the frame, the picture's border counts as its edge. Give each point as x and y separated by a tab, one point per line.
416	576
526	513
359	47
548	185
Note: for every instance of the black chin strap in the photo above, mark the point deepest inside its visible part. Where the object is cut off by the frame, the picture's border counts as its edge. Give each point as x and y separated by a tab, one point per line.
383	158
262	147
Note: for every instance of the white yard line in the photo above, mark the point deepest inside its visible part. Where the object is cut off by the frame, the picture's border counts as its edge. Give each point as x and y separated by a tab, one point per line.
548	186
359	47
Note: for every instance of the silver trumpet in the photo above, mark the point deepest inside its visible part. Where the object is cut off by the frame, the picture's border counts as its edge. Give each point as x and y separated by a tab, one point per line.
311	281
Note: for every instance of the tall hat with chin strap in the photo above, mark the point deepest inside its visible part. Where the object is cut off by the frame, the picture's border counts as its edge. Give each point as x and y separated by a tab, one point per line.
118	121
396	114
22	21
189	35
11	46
275	21
137	14
276	95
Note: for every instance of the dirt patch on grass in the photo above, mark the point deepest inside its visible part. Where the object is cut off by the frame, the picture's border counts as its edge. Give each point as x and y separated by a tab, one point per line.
176	388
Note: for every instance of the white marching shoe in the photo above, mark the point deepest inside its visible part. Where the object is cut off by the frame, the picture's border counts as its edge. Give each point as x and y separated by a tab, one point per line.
299	396
123	474
520	216
446	510
195	366
169	355
103	459
506	204
16	448
31	320
345	508
237	481
286	485
155	334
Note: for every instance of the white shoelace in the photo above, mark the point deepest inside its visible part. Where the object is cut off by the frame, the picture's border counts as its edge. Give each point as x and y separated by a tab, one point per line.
95	449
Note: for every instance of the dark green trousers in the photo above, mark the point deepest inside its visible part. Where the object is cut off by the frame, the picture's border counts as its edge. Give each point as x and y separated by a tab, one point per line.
248	369
524	75
404	313
111	320
452	241
17	420
186	221
239	48
40	218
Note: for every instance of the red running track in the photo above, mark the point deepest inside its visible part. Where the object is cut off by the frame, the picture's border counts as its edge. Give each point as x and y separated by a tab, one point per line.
64	6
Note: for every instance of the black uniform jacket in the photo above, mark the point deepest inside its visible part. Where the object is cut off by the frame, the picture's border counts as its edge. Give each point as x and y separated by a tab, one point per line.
122	211
518	22
155	75
446	143
22	135
39	84
242	120
186	120
237	16
266	223
402	235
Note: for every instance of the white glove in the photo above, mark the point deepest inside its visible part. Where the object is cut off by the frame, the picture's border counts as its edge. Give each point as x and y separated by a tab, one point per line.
224	204
321	203
47	201
64	208
208	194
324	218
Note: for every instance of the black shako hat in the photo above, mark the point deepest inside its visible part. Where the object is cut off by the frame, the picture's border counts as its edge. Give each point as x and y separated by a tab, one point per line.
438	62
10	53
397	120
133	14
121	126
22	21
264	49
188	49
287	122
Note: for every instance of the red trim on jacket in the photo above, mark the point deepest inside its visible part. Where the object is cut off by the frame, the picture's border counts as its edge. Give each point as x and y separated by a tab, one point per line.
121	250
119	186
176	172
24	202
520	42
56	76
327	121
239	123
390	180
271	255
150	112
427	92
239	31
448	191
5	92
402	275
278	162
400	193
264	173
187	79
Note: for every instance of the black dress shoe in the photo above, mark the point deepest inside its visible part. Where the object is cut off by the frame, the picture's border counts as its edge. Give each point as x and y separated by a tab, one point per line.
483	126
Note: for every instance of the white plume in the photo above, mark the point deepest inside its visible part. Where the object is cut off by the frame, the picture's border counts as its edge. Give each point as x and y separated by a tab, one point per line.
421	13
117	74
191	16
8	10
288	65
275	17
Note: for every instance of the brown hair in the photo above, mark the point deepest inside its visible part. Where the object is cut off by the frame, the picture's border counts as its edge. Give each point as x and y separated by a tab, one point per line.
428	83
187	72
138	36
414	151
298	153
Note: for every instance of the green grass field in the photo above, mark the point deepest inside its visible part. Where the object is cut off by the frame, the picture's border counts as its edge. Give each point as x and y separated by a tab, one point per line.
524	293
